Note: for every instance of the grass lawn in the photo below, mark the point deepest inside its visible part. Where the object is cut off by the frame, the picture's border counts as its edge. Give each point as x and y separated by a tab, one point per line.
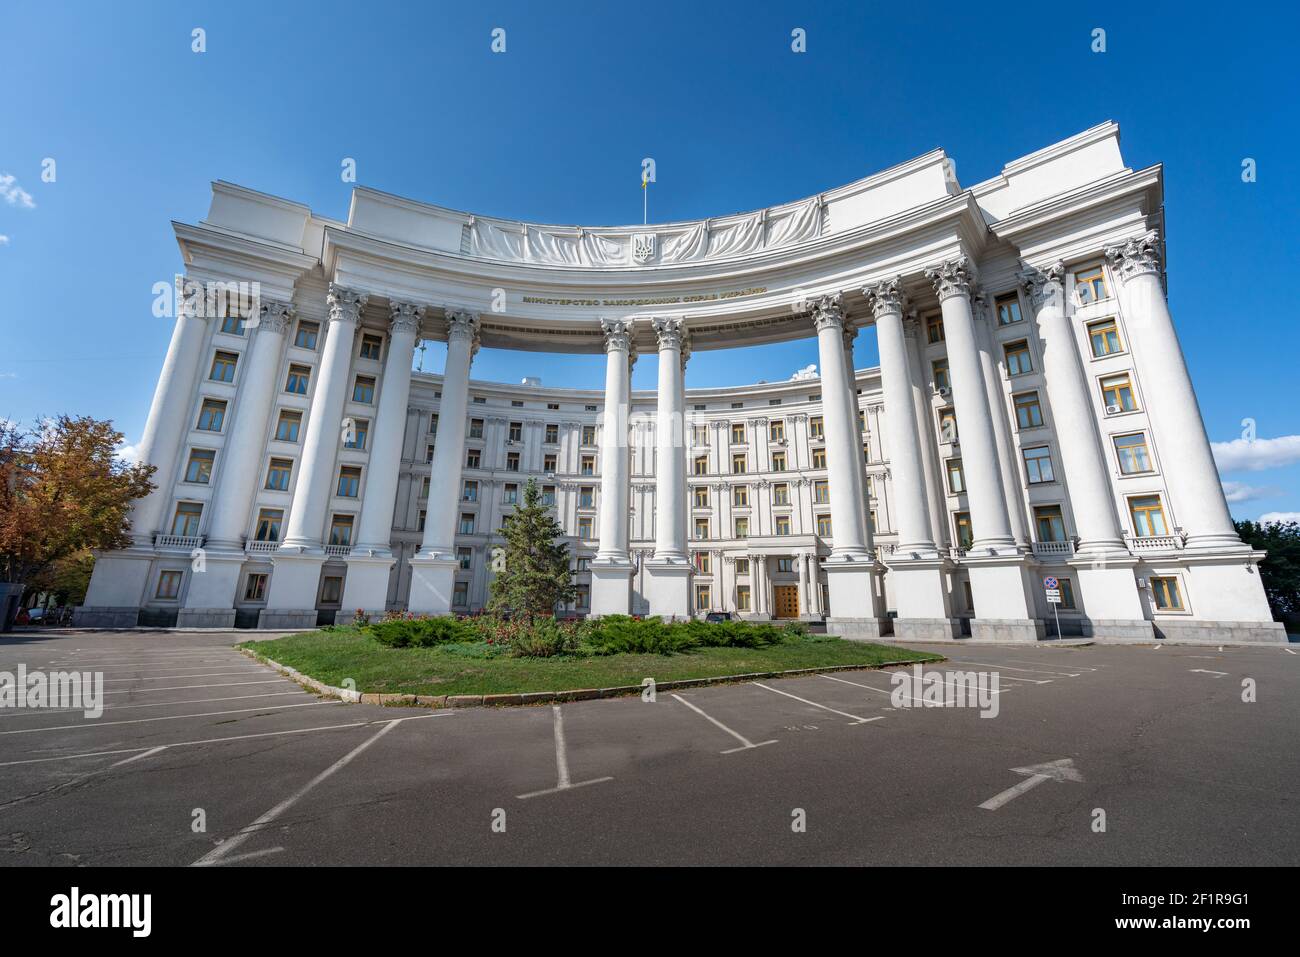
334	656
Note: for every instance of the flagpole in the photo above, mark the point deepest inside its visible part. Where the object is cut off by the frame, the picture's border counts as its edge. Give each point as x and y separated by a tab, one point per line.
645	200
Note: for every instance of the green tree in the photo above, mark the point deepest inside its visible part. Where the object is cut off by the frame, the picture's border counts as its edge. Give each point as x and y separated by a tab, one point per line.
534	574
1280	571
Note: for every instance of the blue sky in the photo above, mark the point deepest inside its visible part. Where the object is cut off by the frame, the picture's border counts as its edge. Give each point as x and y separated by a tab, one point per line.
554	130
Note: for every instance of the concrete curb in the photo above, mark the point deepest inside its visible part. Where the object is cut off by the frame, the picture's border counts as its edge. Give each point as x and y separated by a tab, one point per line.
542	697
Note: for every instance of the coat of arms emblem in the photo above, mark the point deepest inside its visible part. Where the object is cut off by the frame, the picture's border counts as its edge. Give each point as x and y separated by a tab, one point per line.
643	247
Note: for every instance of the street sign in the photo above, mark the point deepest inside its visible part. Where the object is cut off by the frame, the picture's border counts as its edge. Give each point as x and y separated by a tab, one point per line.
1050	583
1053	597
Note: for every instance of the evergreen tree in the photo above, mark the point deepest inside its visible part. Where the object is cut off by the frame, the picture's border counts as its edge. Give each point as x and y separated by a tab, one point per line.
1280	571
534	574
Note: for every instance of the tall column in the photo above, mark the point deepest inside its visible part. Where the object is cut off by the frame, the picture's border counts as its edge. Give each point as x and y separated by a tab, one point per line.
669	572
1008	466
860	465
371	560
210	600
851	567
916	566
611	569
923	409
433	568
804	604
998	577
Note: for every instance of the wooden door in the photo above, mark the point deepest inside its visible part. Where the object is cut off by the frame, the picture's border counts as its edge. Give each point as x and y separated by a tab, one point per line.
787	601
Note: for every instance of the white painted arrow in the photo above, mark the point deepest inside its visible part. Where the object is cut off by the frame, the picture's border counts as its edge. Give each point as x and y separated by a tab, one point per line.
1217	674
1036	774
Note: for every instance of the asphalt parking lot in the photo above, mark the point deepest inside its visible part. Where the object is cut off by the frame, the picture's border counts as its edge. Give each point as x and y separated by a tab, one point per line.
205	757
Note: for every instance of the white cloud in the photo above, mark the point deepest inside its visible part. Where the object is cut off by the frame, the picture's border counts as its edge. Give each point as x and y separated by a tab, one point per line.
1279	517
807	372
128	453
14	194
1256	455
4	240
1241	492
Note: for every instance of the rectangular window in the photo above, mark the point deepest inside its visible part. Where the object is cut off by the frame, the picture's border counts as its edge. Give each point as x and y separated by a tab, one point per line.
701	465
464	556
186	520
1090	284
1009	310
1166	592
223	367
1066	588
268	524
702	528
956	478
738	464
742	527
371	346
288	425
232	324
331	589
199	468
552	435
702	565
298	381
472	458
819	458
212	415
548	495
467	523
588	466
363	390
699	435
278	475
934	329
1104	337
582	565
355	432
584	528
824	525
939	374
776	431
476	428
947	426
701	496
424	486
587	496
742	598
1018	359
740	496
420	517
737	433
553	406
469	492
582	596
702	598
816	428
516	433
742	566
460	594
961	525
588	435
781	525
785	565
1148	516
778	461
512	461
1117	394
1050	524
305	337
255	587
822	492
549	463
1029	414
510	495
1132	452
479	400
781	493
433	424
428	454
1038	465
169	585
349	481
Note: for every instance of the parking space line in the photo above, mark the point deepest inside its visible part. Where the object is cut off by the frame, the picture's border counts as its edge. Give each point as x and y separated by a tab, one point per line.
220	684
168	717
211	674
856	718
215	855
138	757
745	743
561	761
1000	667
36	713
1021	661
890	693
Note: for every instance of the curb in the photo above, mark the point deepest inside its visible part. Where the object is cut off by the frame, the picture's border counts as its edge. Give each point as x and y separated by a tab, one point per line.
543	697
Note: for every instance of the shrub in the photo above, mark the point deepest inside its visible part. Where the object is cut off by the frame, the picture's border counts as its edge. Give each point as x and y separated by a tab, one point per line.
420	632
546	639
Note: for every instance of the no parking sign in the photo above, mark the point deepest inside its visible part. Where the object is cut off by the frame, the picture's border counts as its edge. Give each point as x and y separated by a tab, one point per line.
1052	586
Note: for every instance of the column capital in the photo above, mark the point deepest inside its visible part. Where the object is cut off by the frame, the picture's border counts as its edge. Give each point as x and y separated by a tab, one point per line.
885	297
1135	257
462	324
274	316
827	312
345	304
672	333
618	335
952	278
1044	284
405	317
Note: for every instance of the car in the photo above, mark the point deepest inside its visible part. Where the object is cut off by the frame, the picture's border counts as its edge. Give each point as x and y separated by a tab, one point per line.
35	615
714	617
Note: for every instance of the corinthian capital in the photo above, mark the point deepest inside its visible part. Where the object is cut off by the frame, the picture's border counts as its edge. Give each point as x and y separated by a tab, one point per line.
618	335
274	316
405	317
1135	257
952	278
826	312
462	324
345	304
885	297
1044	284
672	333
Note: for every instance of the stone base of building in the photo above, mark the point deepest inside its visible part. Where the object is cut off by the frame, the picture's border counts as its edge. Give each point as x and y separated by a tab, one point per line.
272	619
1007	629
1140	630
105	617
611	589
1213	632
859	629
348	616
366	584
851	591
433	579
206	618
927	629
668	588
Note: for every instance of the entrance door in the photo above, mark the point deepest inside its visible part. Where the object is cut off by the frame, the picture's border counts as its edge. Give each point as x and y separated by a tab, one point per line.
786	601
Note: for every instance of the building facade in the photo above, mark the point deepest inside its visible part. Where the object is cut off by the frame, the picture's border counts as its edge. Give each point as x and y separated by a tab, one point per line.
1031	423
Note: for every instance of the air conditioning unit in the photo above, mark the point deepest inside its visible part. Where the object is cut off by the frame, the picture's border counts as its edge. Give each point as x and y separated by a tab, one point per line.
1113	409
942	390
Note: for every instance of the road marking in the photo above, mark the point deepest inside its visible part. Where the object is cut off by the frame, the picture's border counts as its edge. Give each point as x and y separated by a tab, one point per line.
890	693
34	713
1288	651
246	857
215	855
219	684
233	737
1217	674
138	757
1059	771
561	762
210	674
1021	661
90	723
1032	671
745	743
856	718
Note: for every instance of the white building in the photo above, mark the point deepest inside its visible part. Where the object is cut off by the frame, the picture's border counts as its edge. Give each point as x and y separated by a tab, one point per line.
1032	415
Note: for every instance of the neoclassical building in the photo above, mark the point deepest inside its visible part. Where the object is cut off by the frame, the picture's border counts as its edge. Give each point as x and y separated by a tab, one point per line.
1032	421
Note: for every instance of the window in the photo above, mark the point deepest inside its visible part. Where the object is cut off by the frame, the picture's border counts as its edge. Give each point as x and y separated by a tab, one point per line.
824	525
582	565
819	458
1038	465
268	524
934	329
1167	595
740	496
588	435
781	525
862	417
433	424
548	463
212	415
186	520
255	587
590	408
948	426
479	400
371	346
420	517
469	492
1148	516
588	466
1066	587
870	488
467	523
364	389
349	481
701	465
1104	336
1018	359
305	337
510	494
1029	414
355	432
738	464
699	435
702	564
742	527
587	496
516	433
516	403
582	596
548	495
780	493
702	528
584	528
939	374
821	492
286	428
1132	451
464	556
233	324
737	433
472	458
278	474
702	597
961	525
742	566
1009	310
476	428
169	585
816	428
776	431
956	478
299	379
553	406
701	496
785	565
778	461
871	521
742	597
199	468
552	435
424	487
331	590
223	367
460	594
737	405
1050	524
1117	393
512	461
1090	284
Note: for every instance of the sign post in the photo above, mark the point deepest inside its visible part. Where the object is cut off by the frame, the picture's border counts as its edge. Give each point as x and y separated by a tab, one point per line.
1053	589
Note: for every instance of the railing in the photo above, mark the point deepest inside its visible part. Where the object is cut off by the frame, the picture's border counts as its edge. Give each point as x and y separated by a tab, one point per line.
1054	549
253	547
178	542
337	551
1154	543
954	552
